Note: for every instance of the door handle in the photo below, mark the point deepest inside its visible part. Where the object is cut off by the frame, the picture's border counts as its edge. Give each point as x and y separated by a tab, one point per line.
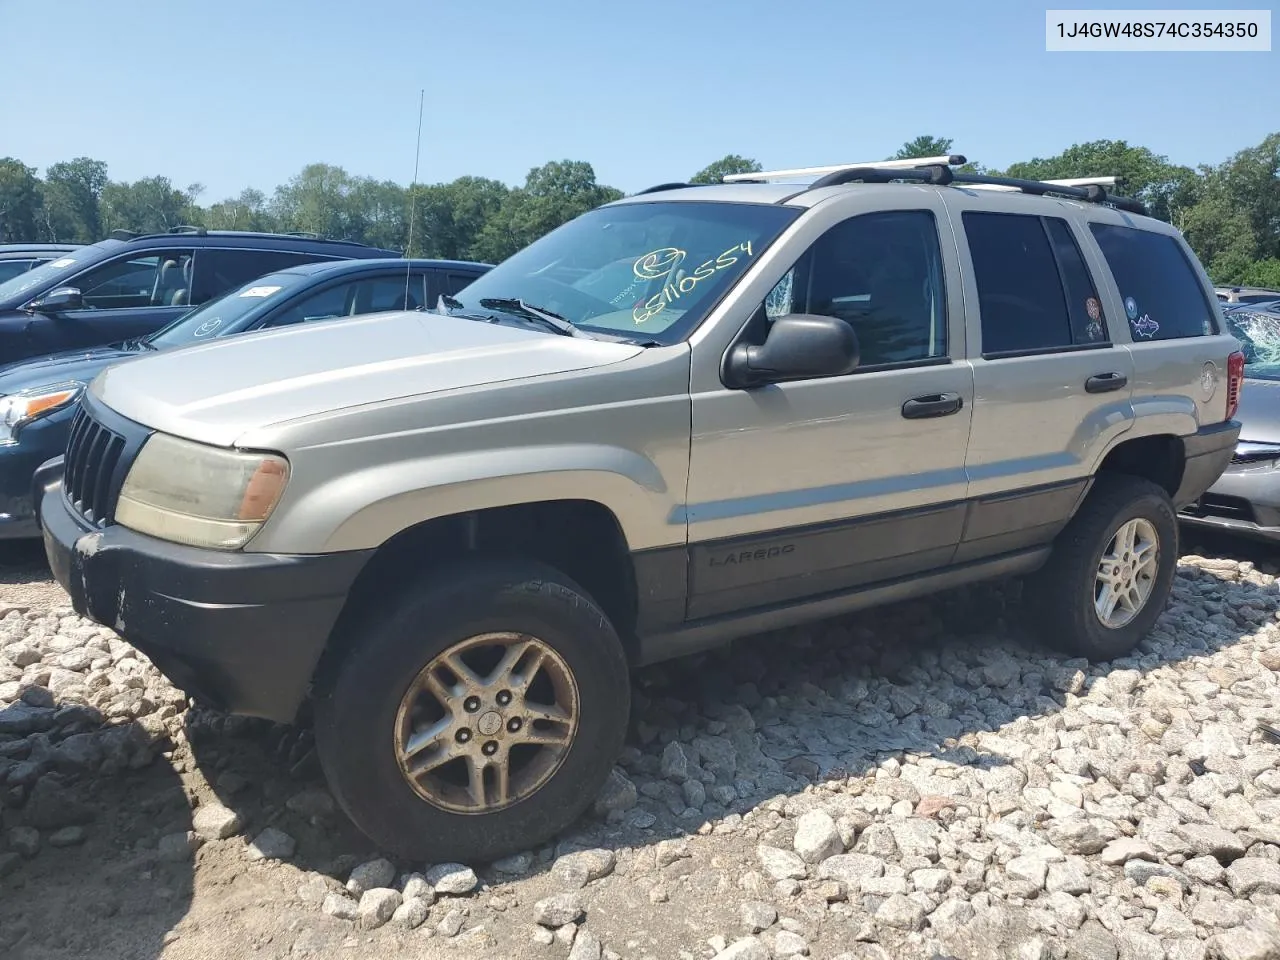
1106	382
937	405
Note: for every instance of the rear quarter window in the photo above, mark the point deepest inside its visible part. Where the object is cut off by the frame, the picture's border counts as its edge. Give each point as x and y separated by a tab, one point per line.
1159	287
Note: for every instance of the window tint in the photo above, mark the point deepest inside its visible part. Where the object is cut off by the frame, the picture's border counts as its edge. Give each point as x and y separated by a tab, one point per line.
1163	299
11	268
881	273
1084	306
221	270
335	301
1020	294
156	280
388	293
455	282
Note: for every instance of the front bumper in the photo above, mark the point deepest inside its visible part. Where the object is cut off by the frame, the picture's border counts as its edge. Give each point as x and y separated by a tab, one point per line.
241	631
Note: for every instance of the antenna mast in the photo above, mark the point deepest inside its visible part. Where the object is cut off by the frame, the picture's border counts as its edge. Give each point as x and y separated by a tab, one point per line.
413	195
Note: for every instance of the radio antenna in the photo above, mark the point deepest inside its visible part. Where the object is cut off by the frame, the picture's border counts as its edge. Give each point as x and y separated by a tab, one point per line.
413	197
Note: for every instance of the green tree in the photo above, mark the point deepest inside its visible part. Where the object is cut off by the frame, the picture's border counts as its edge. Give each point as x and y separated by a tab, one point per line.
552	195
923	146
1140	173
247	211
728	164
149	205
19	201
72	200
319	200
449	217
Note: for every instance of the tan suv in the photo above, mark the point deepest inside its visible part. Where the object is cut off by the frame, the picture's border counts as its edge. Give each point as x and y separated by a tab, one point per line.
690	415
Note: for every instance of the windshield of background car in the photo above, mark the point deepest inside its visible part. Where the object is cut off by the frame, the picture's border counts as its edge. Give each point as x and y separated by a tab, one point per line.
646	270
227	314
1259	334
26	285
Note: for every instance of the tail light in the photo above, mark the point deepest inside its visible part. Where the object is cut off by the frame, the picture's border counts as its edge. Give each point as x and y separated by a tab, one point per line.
1235	379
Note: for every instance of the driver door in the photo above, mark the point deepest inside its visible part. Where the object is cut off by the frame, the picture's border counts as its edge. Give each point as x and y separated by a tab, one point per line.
129	296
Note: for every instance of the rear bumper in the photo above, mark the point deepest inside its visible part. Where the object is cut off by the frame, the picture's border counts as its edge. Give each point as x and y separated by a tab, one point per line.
1207	453
241	631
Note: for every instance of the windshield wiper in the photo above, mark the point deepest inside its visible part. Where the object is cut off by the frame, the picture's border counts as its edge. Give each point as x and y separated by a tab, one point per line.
450	303
546	317
138	343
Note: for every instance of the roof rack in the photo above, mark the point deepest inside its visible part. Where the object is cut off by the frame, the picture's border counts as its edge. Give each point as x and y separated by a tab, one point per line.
188	228
800	173
1069	182
123	234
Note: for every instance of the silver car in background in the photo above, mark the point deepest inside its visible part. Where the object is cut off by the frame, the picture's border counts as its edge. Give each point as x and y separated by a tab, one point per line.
1246	498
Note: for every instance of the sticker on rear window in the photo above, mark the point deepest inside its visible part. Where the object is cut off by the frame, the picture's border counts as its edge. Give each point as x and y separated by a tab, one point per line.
1144	326
1092	308
64	262
1131	308
259	291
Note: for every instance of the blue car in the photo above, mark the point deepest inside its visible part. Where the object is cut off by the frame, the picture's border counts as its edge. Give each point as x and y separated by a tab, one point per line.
38	397
129	286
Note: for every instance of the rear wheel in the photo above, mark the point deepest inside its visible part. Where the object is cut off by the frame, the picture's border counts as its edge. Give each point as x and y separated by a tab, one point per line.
478	717
1111	571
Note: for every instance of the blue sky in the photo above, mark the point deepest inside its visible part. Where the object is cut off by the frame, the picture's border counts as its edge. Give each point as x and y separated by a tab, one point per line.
238	93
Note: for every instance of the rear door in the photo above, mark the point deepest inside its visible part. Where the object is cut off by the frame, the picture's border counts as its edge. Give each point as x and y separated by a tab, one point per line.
1051	385
1179	378
222	269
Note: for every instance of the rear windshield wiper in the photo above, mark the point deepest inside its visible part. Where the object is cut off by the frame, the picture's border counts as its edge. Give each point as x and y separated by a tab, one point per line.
546	317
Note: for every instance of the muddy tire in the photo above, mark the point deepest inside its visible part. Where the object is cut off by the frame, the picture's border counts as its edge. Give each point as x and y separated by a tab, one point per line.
1110	573
478	716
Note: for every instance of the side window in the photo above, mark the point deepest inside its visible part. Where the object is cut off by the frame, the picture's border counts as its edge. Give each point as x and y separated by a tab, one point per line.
882	274
388	293
1163	299
1022	293
454	283
160	279
335	301
1084	306
221	270
11	268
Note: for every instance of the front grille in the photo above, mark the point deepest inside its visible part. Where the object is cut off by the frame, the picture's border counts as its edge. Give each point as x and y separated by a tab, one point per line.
89	471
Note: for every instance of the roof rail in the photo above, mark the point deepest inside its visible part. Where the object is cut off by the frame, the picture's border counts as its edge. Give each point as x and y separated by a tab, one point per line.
940	175
1069	182
188	228
304	234
658	188
799	173
123	234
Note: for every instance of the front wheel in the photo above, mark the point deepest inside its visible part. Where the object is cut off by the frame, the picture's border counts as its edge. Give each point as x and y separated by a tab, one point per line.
1111	571
478	717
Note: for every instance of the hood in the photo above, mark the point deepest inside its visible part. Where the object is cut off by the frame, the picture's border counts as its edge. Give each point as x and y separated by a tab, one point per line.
216	391
1259	412
81	365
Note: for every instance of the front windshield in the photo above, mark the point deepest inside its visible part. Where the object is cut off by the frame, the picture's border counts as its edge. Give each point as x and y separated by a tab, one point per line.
226	313
645	270
33	281
1259	333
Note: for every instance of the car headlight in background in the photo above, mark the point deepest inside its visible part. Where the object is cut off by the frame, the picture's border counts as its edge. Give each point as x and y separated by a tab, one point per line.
199	495
19	409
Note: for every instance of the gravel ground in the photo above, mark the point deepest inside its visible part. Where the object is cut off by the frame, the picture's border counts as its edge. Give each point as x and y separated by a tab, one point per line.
924	780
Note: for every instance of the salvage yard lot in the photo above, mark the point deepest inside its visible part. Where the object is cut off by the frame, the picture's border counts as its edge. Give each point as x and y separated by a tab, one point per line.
922	779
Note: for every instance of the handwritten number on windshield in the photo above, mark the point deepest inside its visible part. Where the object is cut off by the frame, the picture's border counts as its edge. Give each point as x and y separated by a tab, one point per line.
663	262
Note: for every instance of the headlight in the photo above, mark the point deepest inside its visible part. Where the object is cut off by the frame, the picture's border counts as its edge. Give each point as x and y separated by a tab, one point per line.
199	495
19	409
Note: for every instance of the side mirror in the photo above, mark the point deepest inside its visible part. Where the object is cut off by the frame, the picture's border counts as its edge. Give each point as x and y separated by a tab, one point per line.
57	300
799	347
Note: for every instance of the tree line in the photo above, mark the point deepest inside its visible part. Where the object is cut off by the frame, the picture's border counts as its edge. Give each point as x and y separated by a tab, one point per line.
1229	212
